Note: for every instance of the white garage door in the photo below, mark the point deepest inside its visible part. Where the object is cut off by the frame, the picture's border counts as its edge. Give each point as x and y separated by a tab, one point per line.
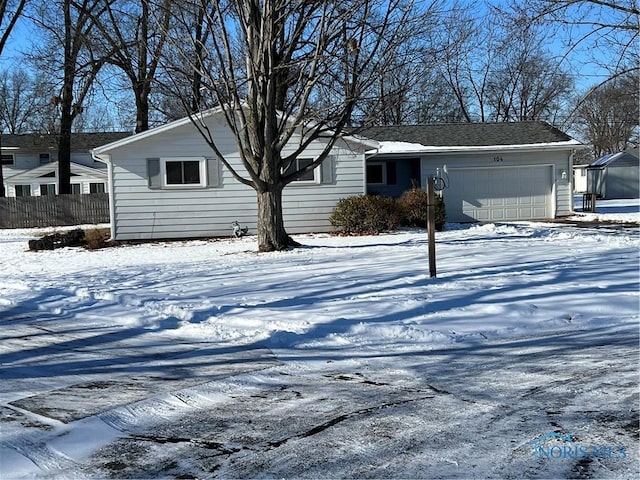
498	194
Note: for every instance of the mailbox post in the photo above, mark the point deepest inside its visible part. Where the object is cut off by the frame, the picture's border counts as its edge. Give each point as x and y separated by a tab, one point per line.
431	225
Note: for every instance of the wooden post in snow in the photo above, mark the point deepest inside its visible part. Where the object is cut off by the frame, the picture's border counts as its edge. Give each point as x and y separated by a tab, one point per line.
431	226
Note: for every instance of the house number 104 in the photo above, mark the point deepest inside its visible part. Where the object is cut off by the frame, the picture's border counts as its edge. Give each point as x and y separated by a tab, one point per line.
497	159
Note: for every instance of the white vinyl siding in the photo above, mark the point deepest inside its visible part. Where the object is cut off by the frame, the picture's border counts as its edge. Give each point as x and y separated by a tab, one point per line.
142	211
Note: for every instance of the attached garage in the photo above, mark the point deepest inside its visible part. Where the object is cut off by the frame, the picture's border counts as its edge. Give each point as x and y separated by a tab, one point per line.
495	171
500	194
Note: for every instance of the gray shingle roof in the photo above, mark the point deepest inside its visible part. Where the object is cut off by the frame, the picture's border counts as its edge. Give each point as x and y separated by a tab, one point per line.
42	142
621	159
469	134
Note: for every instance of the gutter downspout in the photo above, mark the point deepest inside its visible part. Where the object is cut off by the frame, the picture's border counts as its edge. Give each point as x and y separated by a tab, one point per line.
112	204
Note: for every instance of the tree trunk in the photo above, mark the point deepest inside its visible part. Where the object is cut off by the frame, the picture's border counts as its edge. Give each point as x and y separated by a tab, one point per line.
66	104
271	233
64	152
142	110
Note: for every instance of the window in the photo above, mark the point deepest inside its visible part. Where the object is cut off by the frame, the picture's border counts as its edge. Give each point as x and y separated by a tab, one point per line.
299	164
190	172
48	189
23	190
376	174
45	158
391	173
7	159
76	188
96	188
182	172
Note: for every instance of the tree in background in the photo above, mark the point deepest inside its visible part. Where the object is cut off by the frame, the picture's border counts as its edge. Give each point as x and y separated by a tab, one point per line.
284	74
605	32
497	73
468	44
609	115
400	93
181	88
527	83
590	25
68	55
10	11
134	45
19	104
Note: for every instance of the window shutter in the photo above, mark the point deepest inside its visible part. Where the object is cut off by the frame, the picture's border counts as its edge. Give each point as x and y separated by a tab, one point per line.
213	172
326	172
153	173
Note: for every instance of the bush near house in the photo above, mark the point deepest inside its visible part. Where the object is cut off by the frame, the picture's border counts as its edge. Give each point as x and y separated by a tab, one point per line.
371	214
413	205
366	214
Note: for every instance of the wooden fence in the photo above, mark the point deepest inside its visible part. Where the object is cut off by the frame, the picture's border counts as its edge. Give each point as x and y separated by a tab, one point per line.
54	210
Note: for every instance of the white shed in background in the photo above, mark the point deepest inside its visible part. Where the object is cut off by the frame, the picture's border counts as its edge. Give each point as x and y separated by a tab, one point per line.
580	178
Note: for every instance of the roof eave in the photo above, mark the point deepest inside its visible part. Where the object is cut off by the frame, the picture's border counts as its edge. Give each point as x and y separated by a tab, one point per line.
422	149
98	151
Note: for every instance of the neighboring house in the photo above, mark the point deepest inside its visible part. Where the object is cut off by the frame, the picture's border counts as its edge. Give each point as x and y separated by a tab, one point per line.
167	183
30	163
616	175
494	171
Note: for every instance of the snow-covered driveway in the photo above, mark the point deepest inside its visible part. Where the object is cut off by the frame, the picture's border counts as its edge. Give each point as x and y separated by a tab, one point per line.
342	359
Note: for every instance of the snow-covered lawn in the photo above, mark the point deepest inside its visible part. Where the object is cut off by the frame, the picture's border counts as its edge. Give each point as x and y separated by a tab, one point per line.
342	359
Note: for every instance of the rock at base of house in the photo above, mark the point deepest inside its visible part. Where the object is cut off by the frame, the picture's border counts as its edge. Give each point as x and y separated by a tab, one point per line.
72	238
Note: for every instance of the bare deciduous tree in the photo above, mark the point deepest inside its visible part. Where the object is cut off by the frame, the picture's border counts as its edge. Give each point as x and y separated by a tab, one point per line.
605	29
134	45
470	48
528	83
68	56
277	69
10	11
499	74
19	102
178	87
609	116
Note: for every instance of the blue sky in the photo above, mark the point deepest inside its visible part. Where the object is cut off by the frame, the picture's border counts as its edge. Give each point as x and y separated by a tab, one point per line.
579	63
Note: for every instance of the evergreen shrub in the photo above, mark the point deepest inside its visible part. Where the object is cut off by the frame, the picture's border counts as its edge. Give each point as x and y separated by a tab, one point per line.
366	214
413	205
